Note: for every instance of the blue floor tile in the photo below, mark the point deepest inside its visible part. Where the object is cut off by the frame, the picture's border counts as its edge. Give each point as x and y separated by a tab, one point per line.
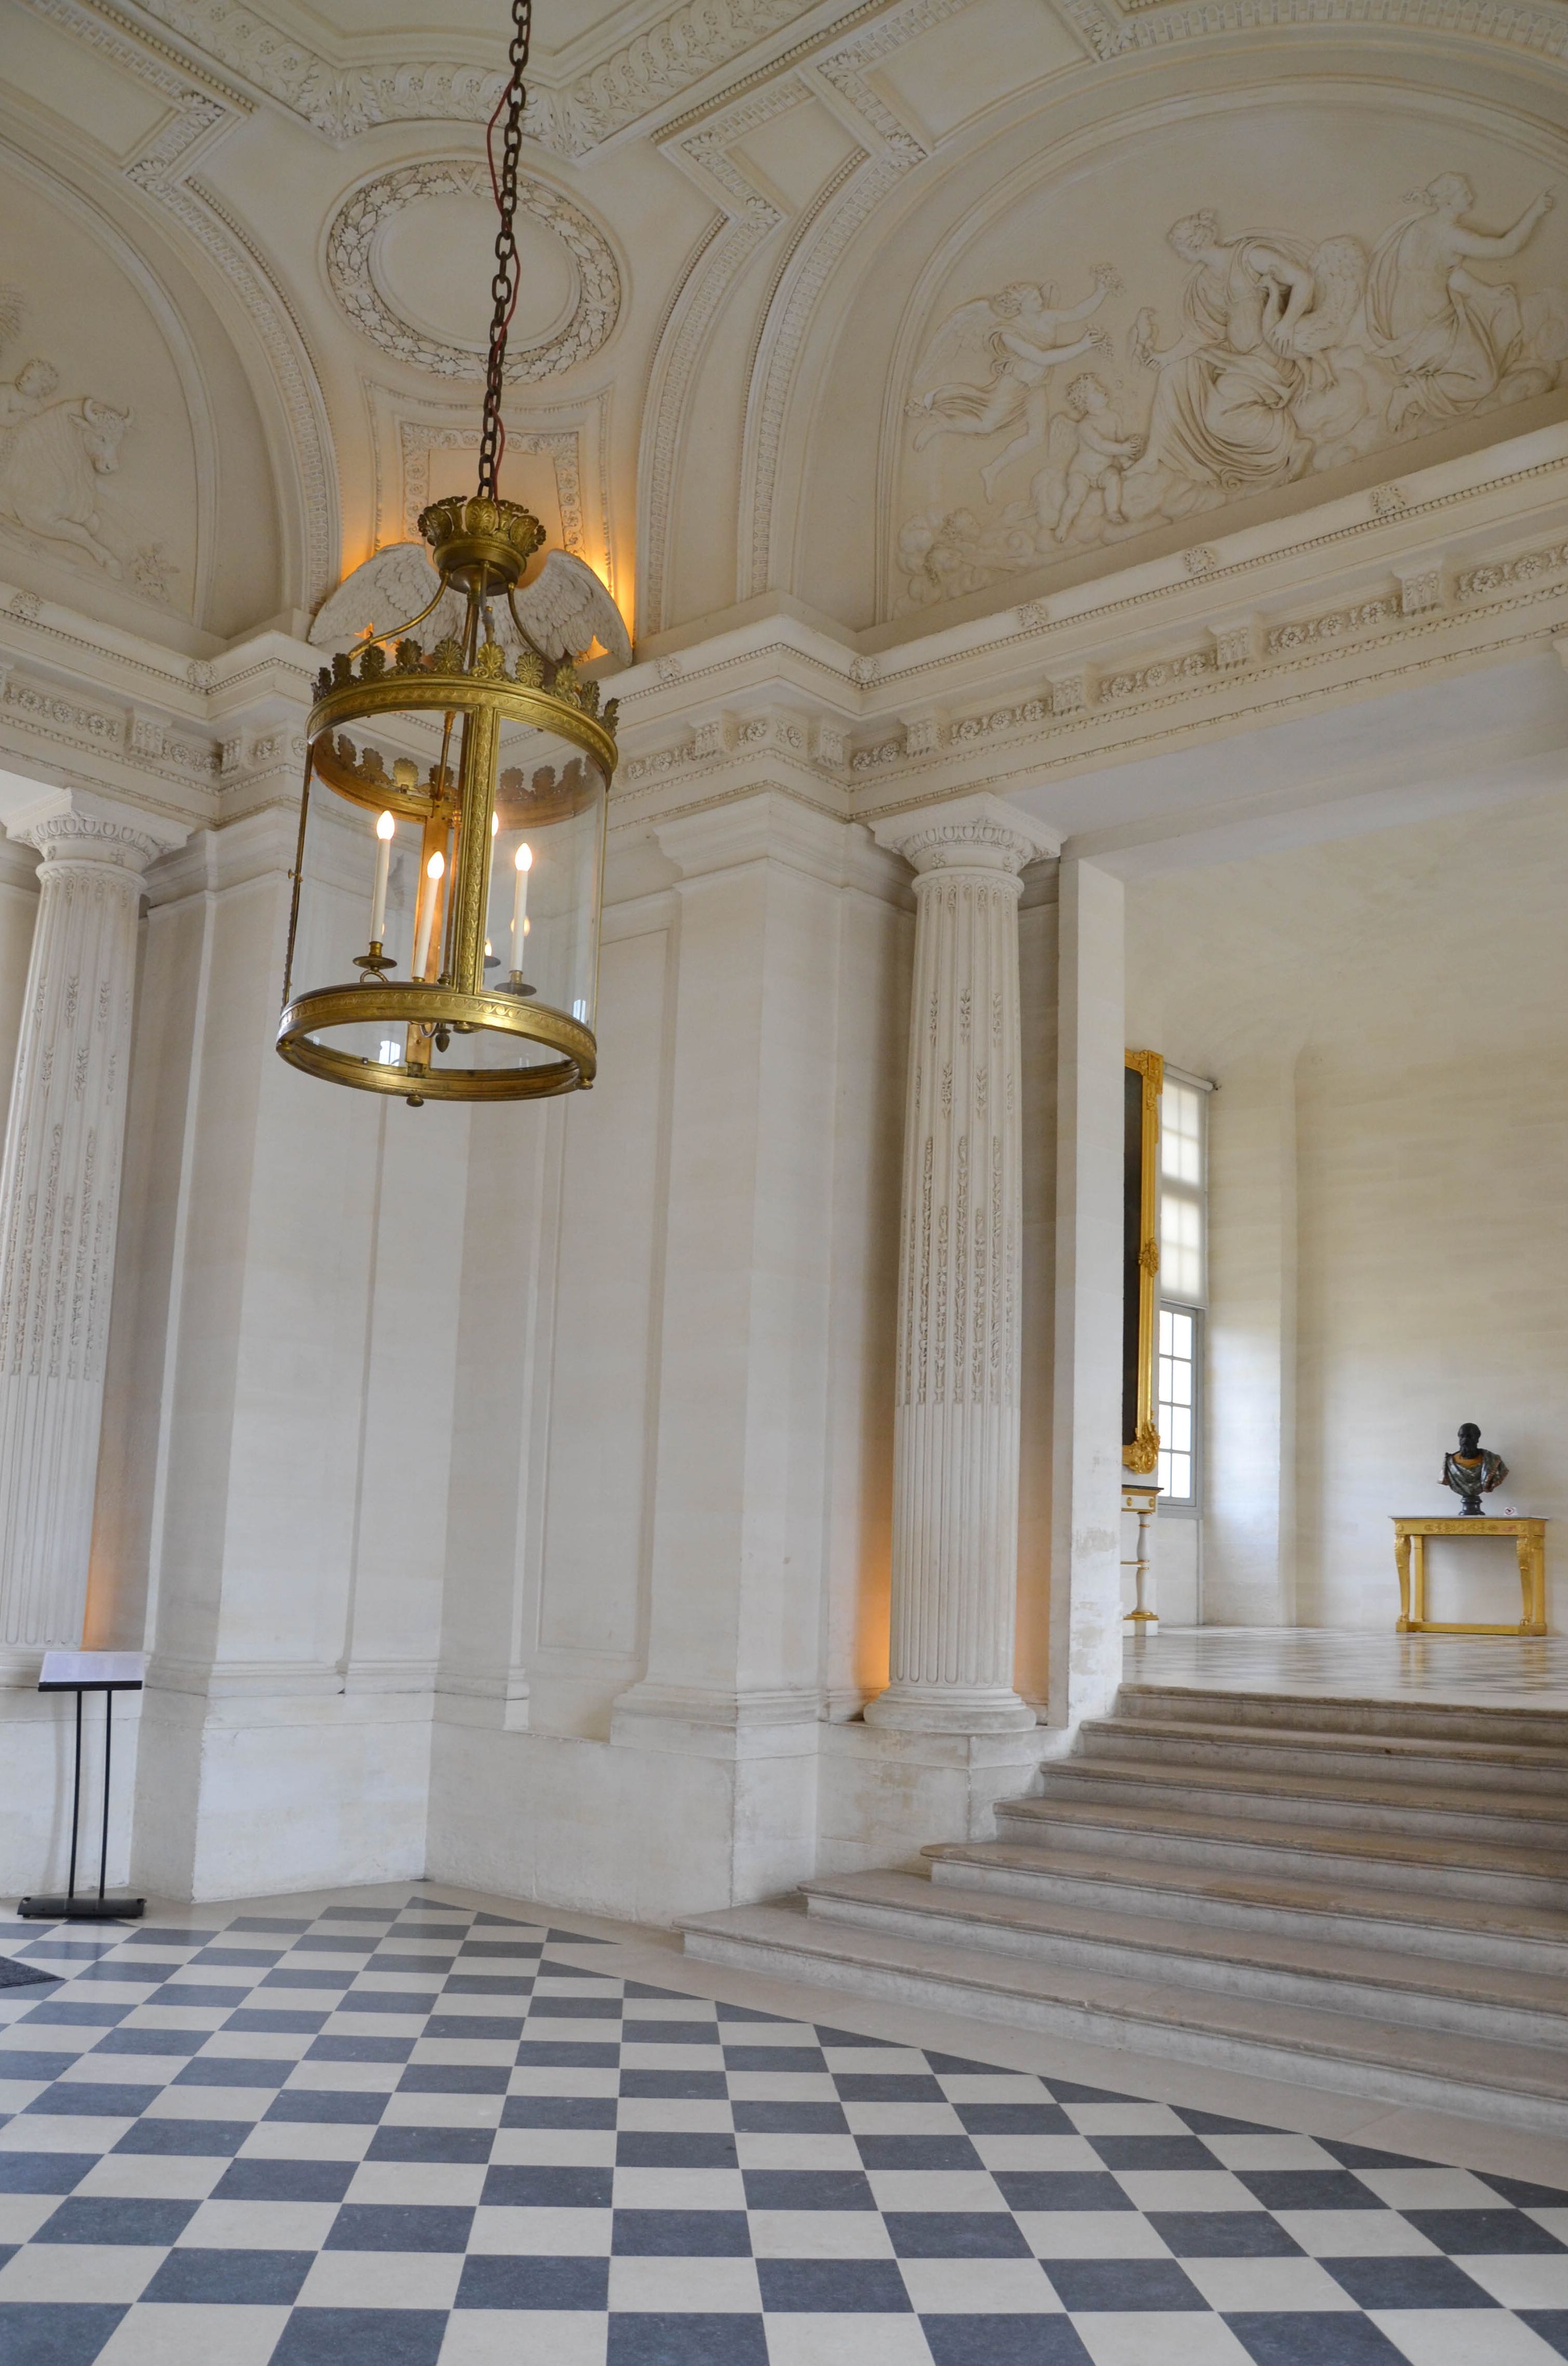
254	2279
1087	2287
714	2340
105	2219
956	2235
399	2227
55	2333
361	2336
1004	2341
534	2282
681	2234
839	2287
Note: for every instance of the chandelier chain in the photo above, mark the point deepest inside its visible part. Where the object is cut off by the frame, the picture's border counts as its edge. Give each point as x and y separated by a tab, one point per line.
504	285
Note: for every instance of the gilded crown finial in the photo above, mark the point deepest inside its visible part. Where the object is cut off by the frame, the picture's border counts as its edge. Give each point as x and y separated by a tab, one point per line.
470	535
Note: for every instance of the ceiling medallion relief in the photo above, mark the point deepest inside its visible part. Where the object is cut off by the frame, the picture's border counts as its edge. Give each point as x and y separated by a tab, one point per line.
353	259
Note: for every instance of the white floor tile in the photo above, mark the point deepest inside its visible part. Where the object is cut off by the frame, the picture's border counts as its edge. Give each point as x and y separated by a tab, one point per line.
53	2272
680	2188
807	2339
550	2234
1184	2189
1156	2338
382	2280
978	2288
675	2287
820	2234
170	2177
1463	2337
933	2189
493	2337
259	2226
192	2334
1355	2235
1522	2279
1091	2234
1230	2286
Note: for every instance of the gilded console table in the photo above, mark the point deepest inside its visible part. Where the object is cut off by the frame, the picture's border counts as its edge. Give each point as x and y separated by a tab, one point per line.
1410	1558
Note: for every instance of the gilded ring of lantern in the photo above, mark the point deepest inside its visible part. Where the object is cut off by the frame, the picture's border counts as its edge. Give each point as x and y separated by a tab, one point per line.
457	800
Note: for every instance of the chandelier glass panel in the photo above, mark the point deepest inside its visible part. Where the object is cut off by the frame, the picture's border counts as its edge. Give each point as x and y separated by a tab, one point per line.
443	935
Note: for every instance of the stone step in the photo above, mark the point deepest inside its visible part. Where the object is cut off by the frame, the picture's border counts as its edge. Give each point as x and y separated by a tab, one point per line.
1463	1868
1509	2006
1298	1750
1395	1719
1516	2085
1517	1819
1487	1932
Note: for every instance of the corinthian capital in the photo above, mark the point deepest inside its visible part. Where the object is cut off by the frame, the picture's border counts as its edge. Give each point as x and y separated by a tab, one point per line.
81	826
977	833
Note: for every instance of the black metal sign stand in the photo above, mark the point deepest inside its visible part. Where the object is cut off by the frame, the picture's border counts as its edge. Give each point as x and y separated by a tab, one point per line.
87	1908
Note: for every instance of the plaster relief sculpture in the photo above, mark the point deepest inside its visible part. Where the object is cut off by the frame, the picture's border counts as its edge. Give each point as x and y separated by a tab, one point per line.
51	455
1454	340
1291	356
1019	328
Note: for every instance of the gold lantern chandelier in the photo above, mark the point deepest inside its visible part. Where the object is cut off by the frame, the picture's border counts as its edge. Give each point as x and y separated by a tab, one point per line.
455	858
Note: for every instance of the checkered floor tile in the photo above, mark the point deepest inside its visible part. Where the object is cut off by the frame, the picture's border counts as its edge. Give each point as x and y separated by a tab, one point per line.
416	2135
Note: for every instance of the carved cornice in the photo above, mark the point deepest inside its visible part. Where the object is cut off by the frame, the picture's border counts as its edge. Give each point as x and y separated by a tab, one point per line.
571	117
351	242
1113	30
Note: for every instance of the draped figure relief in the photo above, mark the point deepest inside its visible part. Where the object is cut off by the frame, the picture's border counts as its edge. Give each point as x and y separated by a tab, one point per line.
1288	356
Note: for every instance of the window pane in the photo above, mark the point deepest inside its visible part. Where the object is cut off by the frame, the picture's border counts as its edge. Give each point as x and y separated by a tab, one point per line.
1181	1418
1181	1334
1182	1477
1165	1334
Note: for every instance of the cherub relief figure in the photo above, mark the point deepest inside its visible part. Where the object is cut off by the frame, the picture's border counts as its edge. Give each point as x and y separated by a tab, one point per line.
1090	450
1454	342
1020	327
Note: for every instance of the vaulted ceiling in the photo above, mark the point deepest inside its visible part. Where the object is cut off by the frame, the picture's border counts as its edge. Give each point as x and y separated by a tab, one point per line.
871	304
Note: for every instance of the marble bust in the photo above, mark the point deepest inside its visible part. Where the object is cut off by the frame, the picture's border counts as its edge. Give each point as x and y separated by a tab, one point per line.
1475	1470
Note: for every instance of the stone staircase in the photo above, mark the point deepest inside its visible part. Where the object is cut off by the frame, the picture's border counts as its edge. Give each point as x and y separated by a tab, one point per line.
1368	1895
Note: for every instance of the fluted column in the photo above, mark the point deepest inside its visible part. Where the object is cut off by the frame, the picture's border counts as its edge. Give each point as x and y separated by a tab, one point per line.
954	1547
60	1182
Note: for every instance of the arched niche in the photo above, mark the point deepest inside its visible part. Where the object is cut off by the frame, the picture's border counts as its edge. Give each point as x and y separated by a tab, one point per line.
135	479
1329	173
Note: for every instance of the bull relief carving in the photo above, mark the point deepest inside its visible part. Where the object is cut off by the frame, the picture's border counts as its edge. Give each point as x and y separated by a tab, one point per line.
1288	359
55	450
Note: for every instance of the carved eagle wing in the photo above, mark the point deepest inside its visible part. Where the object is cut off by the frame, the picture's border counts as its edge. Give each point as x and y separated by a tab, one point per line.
567	608
387	591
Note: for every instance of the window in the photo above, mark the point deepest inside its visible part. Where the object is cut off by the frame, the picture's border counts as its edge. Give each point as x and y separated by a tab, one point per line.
1182	1193
1180	1329
1184	1288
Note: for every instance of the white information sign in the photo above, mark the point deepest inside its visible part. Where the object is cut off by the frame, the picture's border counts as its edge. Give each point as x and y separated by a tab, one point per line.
92	1668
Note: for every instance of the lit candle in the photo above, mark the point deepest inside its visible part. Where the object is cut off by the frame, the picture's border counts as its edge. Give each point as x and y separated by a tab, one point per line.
433	870
383	829
524	861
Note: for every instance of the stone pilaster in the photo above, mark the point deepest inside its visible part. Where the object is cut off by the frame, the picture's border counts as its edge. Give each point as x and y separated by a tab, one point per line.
954	1549
60	1183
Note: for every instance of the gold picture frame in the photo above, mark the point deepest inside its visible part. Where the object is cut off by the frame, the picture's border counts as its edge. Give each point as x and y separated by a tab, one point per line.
1143	1081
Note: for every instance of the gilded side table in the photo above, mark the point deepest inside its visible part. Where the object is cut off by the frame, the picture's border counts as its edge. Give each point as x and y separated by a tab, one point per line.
1410	1559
